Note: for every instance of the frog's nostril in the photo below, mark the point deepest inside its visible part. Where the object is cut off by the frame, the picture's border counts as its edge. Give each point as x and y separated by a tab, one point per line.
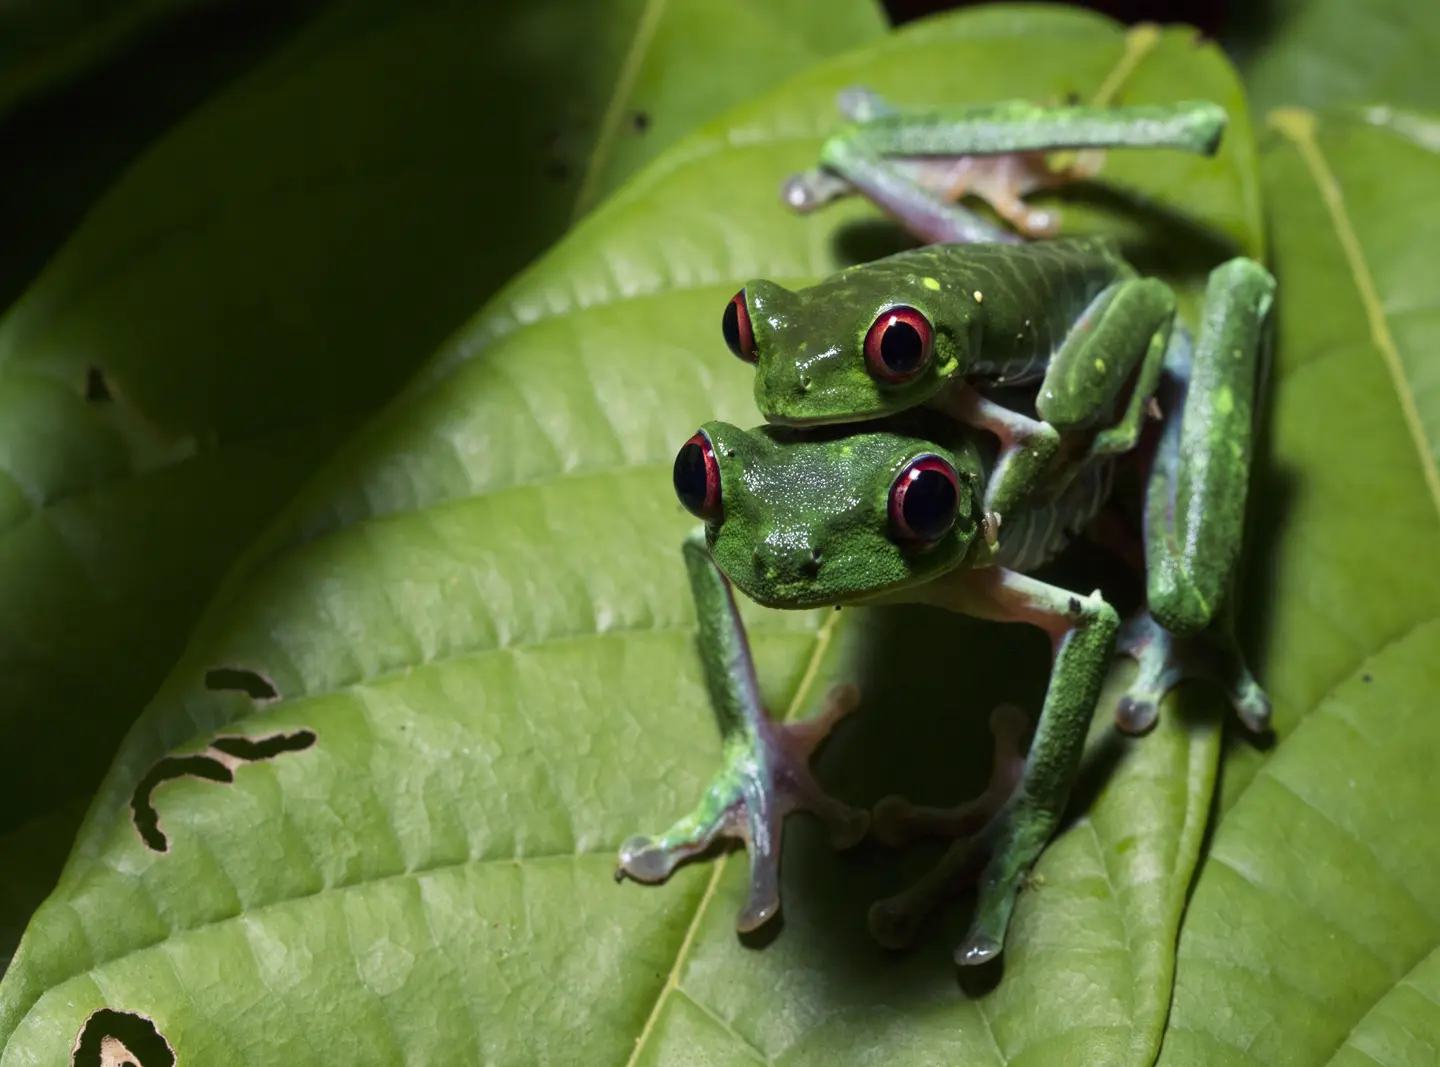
804	383
788	559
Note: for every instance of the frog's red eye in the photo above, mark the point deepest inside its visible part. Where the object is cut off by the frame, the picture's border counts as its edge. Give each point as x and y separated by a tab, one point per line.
924	499
897	348
697	478
736	325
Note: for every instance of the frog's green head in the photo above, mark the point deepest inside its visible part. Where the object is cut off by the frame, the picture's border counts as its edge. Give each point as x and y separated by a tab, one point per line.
867	342
801	520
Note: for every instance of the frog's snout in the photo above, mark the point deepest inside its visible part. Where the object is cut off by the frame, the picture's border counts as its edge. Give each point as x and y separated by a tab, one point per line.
784	558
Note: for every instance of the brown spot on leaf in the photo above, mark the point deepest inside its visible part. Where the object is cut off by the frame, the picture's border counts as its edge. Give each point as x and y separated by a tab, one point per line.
112	1038
216	764
97	389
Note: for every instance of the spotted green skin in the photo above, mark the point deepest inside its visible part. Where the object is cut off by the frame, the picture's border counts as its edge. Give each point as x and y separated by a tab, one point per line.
998	313
806	519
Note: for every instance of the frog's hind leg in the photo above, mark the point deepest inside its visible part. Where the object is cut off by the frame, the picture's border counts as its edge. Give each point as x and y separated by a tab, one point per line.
1166	660
1082	630
1195	504
914	163
895	821
766	772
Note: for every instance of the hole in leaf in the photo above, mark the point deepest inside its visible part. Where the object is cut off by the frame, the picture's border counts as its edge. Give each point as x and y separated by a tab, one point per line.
97	389
241	680
215	764
113	1038
251	749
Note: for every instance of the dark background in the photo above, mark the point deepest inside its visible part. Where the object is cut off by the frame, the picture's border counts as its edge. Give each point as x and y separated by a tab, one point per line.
1207	15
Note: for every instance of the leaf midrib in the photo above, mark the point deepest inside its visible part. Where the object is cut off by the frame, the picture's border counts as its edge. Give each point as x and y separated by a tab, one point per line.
672	978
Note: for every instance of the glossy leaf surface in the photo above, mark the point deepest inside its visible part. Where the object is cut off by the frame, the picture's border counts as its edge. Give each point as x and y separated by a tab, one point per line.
1312	934
266	275
479	612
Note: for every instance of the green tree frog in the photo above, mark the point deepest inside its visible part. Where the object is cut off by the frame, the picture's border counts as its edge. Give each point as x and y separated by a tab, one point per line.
894	511
927	326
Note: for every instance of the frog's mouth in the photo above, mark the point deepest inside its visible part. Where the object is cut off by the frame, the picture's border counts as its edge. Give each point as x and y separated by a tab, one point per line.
792	596
835	418
799	594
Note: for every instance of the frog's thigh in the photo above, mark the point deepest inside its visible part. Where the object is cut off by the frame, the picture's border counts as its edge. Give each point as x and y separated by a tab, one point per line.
1195	500
1126	326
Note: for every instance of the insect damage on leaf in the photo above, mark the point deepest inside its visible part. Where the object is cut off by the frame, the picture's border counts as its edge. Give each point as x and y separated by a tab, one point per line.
112	1038
243	680
216	764
97	389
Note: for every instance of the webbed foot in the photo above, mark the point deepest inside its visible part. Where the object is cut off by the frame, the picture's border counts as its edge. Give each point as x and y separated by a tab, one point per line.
765	777
1166	660
975	826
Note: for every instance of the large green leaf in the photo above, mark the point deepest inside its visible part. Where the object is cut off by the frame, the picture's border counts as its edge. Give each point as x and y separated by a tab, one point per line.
478	613
1319	53
268	273
1312	936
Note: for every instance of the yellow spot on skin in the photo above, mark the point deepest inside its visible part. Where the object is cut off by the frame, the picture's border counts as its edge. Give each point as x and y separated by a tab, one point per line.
1224	401
979	296
931	284
1100	365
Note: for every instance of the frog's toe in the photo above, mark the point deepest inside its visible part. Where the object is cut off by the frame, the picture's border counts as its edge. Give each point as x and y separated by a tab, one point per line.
1165	660
978	947
652	860
763	780
812	190
1251	704
895	920
859	104
642	861
896	822
1137	713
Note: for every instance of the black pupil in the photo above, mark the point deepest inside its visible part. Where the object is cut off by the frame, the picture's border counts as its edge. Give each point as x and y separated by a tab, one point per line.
929	506
730	324
690	478
901	347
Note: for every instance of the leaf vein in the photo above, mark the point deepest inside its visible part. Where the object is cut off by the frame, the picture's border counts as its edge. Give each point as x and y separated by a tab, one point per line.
822	641
624	82
1299	127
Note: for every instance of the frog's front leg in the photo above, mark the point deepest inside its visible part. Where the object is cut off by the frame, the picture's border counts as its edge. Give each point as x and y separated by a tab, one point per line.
1195	504
1082	630
913	164
1027	446
766	773
1120	340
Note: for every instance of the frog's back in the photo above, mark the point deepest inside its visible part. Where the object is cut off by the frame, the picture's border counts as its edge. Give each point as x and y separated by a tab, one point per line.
1027	296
